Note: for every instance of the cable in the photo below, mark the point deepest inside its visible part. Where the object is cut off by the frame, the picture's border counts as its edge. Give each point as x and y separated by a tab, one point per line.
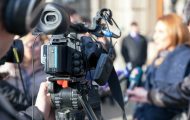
22	81
33	75
20	73
16	77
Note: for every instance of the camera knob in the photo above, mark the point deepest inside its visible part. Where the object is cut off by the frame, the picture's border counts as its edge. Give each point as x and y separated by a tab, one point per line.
76	56
76	70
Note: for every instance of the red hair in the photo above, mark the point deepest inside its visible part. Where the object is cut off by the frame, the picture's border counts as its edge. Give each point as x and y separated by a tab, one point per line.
178	32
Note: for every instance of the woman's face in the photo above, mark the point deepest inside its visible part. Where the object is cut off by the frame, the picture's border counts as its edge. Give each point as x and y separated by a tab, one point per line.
161	36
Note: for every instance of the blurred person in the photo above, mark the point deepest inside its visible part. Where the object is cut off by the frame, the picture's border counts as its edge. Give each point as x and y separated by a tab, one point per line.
86	20
186	14
134	47
177	95
74	16
134	51
27	66
42	107
169	68
18	99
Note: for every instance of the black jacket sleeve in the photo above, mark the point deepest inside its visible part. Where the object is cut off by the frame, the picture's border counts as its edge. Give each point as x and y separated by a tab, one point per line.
15	97
7	112
174	96
31	111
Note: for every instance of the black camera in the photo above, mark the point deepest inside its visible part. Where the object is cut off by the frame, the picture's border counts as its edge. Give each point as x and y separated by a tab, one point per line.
68	56
70	59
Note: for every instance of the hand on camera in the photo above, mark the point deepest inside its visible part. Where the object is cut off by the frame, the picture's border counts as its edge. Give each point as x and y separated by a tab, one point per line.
43	102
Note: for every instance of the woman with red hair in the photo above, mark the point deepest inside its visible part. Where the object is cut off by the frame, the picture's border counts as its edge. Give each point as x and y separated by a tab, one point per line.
169	67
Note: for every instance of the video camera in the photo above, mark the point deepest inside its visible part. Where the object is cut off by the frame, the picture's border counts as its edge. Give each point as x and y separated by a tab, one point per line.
69	60
66	55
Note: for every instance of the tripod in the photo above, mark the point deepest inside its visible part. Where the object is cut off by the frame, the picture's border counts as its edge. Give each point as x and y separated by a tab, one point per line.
71	102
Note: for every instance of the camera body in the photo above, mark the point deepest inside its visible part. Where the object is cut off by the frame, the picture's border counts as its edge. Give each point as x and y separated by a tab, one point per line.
66	56
70	59
62	58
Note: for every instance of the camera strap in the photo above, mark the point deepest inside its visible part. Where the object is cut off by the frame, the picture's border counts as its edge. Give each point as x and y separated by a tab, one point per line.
115	89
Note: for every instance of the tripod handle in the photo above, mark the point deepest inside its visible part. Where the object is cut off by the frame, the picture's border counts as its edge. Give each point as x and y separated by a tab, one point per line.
87	107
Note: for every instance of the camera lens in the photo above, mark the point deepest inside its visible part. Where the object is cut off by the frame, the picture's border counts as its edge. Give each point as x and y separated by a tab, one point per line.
50	18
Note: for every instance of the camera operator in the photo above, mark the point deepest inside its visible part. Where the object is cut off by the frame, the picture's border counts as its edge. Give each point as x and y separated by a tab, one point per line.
42	106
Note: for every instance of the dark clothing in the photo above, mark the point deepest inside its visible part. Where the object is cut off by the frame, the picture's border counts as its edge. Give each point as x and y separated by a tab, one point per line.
17	99
174	68
151	112
8	113
40	76
175	96
11	99
6	110
27	114
134	50
28	79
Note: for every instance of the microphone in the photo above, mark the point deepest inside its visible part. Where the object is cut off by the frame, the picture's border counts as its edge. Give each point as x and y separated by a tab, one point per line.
134	79
123	74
